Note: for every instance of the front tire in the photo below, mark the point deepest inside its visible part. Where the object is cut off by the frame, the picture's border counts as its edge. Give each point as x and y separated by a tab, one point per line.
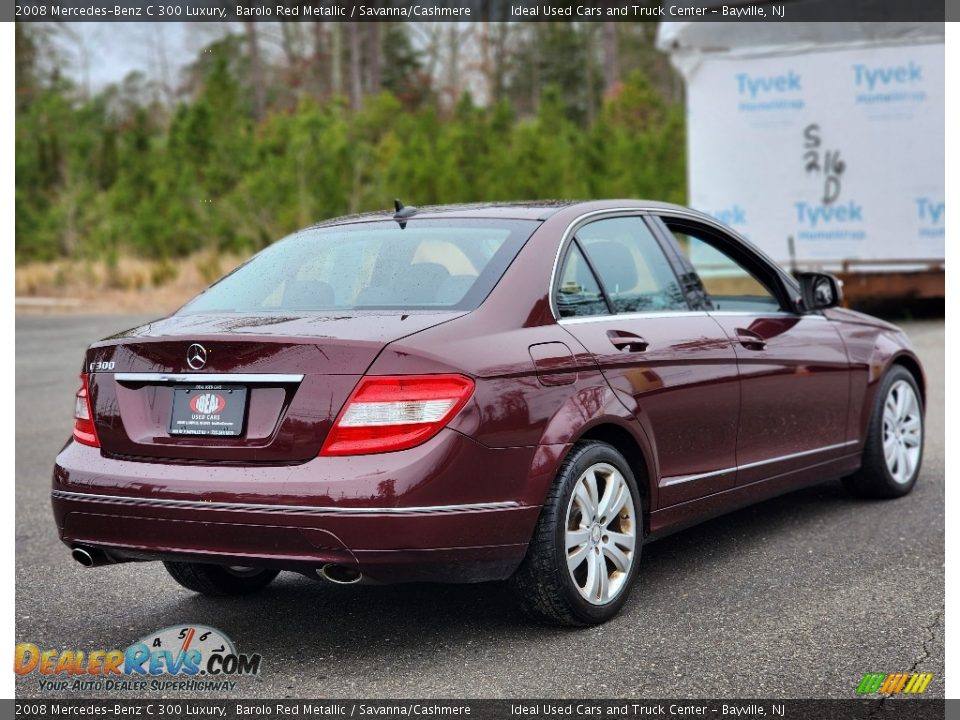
220	580
894	447
585	550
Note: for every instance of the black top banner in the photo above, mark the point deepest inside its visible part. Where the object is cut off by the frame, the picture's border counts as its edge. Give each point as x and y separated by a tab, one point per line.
476	10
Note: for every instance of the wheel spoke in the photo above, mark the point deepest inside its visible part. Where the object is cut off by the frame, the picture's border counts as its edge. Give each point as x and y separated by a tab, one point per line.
590	480
901	401
604	591
614	497
587	506
911	423
617	556
622	540
890	411
911	440
902	472
592	585
890	452
578	537
574	560
889	418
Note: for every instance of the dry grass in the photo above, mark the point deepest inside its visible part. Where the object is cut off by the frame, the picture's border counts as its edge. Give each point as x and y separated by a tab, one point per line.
128	285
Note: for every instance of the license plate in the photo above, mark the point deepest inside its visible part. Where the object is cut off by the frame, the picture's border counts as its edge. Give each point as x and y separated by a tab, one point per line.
208	410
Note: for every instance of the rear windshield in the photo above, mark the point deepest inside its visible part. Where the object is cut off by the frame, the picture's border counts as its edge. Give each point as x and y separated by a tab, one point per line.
430	264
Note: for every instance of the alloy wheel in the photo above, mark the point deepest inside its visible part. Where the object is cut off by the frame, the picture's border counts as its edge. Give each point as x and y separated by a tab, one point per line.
902	431
600	533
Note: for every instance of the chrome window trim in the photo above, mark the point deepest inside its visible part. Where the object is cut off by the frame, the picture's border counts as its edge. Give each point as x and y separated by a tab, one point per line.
766	313
686	313
717	225
295	509
670	481
632	316
246	378
659	212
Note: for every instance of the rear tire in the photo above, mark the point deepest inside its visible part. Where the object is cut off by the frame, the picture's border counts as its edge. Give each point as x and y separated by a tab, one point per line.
220	580
585	550
893	451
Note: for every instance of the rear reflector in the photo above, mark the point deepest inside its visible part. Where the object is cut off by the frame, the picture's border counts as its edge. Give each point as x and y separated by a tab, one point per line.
396	412
83	428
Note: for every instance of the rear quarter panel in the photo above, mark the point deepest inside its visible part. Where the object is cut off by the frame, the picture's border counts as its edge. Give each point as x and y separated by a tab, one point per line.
511	406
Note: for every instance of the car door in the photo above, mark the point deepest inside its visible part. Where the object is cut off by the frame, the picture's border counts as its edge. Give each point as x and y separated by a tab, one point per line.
794	373
617	293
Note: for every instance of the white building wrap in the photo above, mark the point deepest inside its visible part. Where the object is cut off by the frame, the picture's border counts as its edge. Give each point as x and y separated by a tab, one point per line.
842	149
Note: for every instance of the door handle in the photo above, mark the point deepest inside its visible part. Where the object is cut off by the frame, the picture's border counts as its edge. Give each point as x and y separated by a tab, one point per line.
750	340
626	341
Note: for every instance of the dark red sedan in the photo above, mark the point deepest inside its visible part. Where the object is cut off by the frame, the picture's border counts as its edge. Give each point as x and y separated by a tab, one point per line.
523	391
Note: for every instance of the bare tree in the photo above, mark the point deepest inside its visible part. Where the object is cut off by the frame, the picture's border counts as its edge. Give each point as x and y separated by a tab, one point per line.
159	62
356	62
336	59
374	58
80	46
453	62
591	90
256	71
611	55
495	60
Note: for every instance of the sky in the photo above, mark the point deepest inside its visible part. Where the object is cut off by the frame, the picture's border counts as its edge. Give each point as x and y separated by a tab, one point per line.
105	52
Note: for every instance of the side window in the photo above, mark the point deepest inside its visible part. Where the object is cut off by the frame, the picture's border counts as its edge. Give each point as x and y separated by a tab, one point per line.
632	266
579	293
727	284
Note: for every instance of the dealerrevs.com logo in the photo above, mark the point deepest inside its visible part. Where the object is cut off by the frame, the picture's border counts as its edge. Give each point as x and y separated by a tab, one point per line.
187	658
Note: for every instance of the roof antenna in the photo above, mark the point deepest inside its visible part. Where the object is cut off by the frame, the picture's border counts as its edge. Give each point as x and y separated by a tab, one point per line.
402	212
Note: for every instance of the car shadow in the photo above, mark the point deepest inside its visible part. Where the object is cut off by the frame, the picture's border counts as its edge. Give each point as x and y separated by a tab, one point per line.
296	619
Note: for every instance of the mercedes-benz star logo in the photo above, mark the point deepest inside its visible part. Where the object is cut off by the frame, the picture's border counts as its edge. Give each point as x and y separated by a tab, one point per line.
196	356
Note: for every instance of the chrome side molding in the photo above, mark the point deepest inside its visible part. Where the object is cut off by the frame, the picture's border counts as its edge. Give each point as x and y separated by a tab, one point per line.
676	480
266	508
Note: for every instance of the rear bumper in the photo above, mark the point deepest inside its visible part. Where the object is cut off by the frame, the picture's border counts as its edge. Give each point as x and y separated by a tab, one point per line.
442	511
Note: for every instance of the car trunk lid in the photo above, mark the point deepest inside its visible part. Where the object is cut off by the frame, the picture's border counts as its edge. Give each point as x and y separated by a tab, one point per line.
235	388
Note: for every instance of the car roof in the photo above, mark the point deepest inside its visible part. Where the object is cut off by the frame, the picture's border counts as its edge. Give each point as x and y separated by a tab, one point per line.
525	210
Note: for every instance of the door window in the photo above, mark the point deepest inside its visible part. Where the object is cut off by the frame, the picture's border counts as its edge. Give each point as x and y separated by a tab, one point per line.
632	266
579	292
726	282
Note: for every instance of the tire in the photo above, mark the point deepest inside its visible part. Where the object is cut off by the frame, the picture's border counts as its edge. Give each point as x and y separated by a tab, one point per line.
550	591
896	429
219	580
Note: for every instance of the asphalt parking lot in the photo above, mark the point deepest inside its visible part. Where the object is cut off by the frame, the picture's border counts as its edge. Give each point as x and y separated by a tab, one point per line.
796	597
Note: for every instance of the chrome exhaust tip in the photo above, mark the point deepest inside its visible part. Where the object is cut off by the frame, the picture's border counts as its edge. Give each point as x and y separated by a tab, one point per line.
83	557
340	574
94	557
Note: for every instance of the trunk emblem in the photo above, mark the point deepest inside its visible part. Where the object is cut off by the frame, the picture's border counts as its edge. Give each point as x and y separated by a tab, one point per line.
196	356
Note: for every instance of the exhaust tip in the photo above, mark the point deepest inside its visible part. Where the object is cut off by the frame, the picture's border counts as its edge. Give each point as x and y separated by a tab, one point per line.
340	574
82	556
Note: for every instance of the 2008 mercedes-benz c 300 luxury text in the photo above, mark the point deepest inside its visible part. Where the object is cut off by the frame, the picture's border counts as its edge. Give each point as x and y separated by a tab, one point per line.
468	393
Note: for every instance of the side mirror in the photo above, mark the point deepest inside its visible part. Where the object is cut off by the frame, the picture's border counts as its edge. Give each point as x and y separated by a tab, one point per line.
819	290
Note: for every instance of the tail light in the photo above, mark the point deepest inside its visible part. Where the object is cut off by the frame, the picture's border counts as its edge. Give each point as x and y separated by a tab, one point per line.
397	412
83	429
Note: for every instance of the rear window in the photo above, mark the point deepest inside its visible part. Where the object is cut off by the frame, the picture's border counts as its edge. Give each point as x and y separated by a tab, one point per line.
430	264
